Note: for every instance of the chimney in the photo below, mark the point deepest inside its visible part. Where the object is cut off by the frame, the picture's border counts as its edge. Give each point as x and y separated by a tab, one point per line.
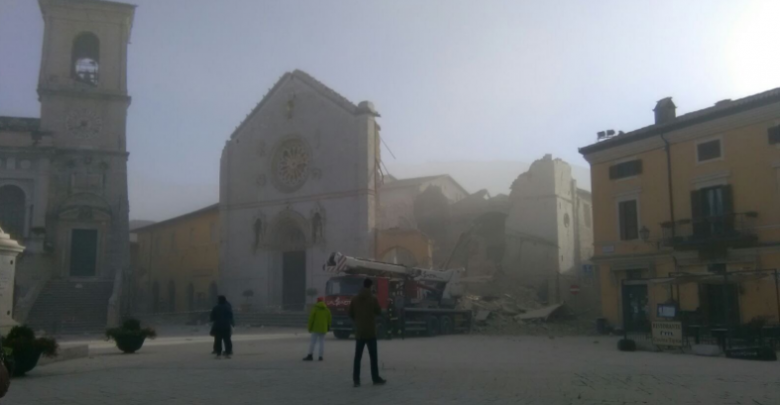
664	110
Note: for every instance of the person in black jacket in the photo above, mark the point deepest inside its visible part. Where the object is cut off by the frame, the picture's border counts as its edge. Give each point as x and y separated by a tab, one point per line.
222	327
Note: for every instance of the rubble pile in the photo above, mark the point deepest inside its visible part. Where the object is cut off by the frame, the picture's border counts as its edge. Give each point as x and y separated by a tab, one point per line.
517	310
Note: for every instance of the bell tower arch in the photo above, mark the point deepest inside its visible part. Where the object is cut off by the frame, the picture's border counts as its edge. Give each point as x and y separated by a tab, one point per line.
82	83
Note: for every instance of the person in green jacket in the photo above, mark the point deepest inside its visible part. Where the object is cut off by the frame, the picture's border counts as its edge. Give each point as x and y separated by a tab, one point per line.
319	325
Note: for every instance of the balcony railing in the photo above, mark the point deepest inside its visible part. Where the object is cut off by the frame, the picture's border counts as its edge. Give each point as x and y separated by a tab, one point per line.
727	230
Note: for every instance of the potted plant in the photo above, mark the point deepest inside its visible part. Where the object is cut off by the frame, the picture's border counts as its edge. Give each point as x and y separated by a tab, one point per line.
25	349
8	360
130	336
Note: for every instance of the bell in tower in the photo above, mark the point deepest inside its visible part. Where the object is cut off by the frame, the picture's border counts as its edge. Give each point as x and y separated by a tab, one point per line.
86	58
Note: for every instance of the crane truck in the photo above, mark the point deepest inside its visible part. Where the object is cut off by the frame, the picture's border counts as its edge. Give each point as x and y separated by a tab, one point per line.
414	300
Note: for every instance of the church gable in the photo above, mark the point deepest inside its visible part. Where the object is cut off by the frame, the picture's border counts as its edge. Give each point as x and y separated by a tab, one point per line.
288	99
286	147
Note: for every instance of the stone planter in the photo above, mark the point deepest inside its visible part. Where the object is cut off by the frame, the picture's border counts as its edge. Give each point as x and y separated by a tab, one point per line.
130	343
25	361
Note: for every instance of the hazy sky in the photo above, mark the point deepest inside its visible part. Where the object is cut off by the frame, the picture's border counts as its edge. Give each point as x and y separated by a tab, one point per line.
484	80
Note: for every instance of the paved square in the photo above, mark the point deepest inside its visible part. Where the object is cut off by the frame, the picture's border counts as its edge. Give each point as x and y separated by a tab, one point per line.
443	370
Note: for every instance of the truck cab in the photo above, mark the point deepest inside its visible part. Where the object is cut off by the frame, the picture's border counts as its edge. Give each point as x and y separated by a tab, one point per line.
339	292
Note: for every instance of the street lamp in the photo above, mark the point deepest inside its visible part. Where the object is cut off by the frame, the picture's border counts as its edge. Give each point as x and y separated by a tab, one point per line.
644	233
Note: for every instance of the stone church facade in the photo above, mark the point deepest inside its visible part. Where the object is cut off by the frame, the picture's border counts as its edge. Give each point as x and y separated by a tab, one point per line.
63	176
298	181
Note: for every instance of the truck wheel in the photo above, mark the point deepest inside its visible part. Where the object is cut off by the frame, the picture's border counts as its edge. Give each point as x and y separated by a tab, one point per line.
341	334
432	328
445	325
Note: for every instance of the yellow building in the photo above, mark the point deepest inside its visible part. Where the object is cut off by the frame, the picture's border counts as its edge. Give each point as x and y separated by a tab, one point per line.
177	263
687	213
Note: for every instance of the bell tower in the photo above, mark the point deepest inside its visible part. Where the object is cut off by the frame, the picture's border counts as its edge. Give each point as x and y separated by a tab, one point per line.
82	85
82	88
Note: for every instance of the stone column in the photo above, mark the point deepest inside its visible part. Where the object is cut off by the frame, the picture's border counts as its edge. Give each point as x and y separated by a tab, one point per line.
9	250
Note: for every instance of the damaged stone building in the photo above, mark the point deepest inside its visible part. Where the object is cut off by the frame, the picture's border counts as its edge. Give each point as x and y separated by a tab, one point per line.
63	176
440	208
549	234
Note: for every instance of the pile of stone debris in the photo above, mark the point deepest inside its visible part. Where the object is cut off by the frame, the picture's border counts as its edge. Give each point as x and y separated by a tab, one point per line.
521	313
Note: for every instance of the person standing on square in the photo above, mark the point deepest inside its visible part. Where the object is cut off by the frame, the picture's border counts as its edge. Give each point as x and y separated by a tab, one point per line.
319	324
363	310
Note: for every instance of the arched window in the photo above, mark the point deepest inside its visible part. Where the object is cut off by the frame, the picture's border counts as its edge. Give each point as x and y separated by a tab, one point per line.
12	211
171	296
85	58
399	255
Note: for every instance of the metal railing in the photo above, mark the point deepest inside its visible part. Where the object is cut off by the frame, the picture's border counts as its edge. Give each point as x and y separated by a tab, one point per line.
729	230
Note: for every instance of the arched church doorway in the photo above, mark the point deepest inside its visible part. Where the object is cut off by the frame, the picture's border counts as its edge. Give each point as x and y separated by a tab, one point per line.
292	243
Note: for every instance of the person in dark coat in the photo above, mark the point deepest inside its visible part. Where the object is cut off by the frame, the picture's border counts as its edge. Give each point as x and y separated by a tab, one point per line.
222	327
363	310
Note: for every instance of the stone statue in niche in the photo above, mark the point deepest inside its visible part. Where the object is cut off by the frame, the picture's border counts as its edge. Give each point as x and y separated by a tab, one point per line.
318	219
316	228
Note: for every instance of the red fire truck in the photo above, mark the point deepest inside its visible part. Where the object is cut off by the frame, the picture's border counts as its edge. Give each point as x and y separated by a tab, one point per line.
414	301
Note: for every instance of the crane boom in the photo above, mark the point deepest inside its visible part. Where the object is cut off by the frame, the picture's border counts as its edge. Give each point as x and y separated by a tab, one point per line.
341	264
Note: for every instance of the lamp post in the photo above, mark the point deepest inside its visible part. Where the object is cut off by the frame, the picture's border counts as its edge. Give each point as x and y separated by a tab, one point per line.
644	234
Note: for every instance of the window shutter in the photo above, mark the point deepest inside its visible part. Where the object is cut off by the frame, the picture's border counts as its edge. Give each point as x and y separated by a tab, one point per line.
728	199
699	226
622	220
638	167
696	208
613	174
728	208
632	220
774	135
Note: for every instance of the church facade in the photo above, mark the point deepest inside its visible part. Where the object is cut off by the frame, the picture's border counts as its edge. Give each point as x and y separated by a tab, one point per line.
63	176
298	181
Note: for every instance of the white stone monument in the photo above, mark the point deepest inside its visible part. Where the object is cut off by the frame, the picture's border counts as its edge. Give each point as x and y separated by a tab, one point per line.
9	250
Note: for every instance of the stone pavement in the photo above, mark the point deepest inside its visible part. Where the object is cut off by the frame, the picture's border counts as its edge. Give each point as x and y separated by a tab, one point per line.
443	370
